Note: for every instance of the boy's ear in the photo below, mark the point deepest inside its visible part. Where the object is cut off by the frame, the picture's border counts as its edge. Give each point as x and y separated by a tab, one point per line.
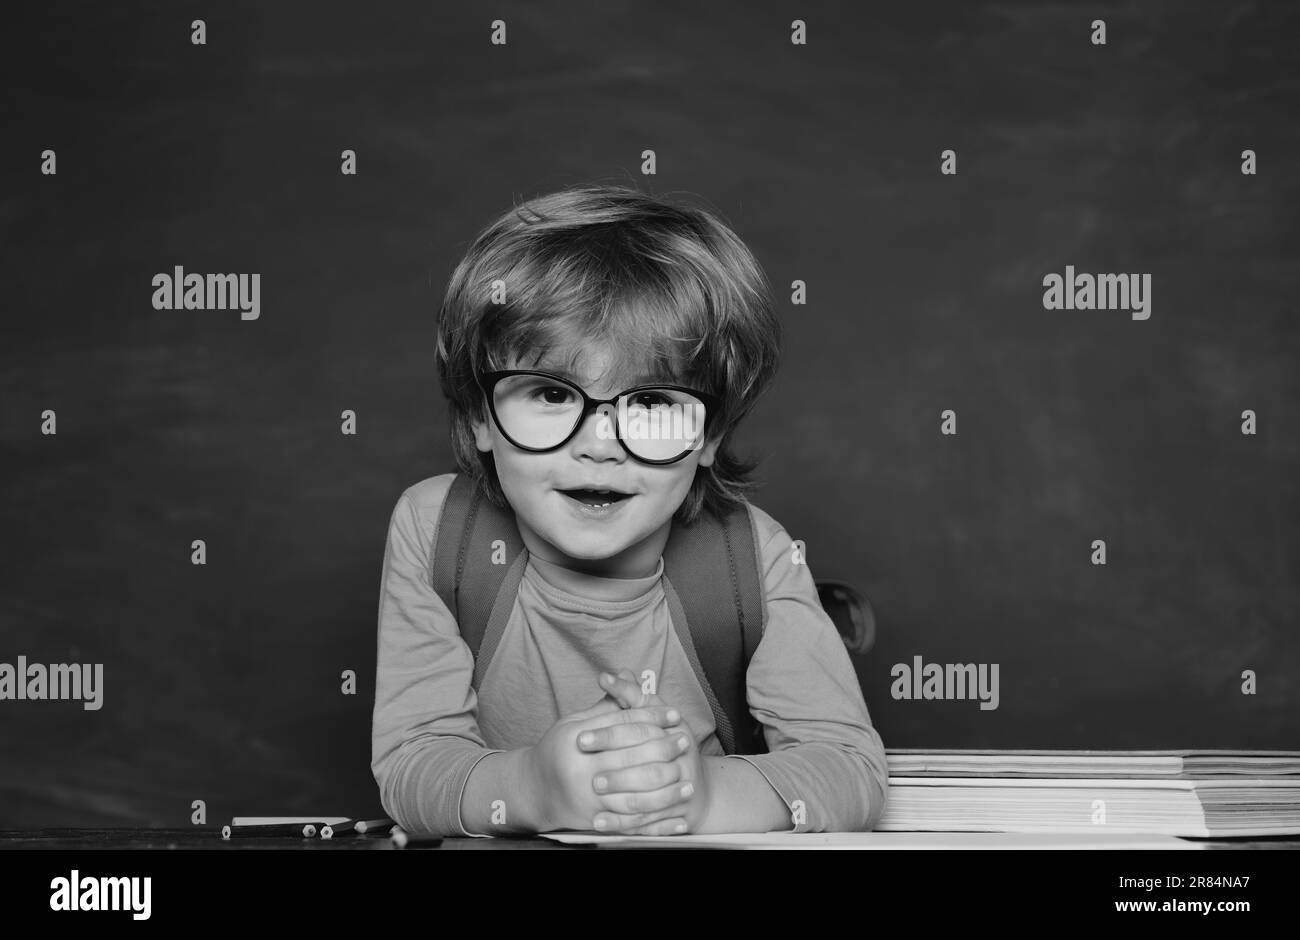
708	450
482	436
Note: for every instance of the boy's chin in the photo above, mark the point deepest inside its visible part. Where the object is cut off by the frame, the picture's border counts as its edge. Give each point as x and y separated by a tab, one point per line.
589	553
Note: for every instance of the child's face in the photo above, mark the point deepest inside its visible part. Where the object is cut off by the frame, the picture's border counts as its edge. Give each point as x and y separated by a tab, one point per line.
622	541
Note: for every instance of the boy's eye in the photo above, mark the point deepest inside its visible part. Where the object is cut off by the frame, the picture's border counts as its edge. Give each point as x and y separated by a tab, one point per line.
553	395
649	400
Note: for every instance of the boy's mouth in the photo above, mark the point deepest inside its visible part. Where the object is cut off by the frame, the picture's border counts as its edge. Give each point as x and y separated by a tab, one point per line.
592	497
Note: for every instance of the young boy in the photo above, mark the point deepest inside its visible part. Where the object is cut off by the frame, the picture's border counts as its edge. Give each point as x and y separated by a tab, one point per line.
559	306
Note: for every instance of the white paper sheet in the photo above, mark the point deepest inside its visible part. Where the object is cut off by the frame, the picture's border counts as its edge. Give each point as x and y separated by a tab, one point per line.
880	840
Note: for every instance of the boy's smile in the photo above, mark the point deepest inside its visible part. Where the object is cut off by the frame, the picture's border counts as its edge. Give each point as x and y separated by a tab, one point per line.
589	505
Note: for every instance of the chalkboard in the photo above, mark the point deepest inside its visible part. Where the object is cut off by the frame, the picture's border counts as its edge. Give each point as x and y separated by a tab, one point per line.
224	683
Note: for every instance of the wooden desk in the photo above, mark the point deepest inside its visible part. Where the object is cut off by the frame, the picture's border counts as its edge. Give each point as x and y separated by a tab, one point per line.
210	839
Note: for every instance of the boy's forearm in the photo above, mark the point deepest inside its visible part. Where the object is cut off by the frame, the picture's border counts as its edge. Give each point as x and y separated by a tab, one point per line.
500	798
741	799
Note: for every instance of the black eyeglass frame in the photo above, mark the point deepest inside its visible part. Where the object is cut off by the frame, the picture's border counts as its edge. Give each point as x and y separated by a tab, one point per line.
488	382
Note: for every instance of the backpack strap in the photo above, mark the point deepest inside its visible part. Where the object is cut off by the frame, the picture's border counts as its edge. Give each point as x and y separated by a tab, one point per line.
465	572
715	599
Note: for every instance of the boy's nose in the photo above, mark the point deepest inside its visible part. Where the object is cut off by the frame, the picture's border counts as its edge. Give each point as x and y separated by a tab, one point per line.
597	438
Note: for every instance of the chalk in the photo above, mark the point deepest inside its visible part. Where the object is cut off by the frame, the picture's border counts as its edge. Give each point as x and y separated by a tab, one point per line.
401	839
286	820
290	830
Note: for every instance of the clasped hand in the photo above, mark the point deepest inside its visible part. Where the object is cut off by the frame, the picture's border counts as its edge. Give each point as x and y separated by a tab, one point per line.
628	764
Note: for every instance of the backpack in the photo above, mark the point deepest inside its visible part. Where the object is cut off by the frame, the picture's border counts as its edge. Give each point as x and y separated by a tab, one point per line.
712	581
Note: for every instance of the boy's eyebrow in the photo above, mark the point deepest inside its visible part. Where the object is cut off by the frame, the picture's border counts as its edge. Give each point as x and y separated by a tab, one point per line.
643	379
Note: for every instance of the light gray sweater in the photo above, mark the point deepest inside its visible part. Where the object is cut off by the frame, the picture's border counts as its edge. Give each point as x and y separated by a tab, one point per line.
431	726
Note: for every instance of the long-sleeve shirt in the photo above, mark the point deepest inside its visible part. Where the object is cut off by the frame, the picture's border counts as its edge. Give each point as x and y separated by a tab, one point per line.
431	726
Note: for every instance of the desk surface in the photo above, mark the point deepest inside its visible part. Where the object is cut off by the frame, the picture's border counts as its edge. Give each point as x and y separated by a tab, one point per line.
210	839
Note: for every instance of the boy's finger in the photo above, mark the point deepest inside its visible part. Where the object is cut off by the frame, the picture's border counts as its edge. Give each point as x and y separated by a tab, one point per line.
664	716
627	691
604	707
616	736
657	750
675	793
642	777
672	826
627	824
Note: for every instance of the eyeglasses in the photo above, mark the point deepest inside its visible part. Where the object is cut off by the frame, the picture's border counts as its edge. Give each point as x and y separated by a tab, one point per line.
539	412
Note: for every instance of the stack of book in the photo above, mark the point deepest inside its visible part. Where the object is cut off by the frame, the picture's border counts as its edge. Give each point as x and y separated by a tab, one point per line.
1180	793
